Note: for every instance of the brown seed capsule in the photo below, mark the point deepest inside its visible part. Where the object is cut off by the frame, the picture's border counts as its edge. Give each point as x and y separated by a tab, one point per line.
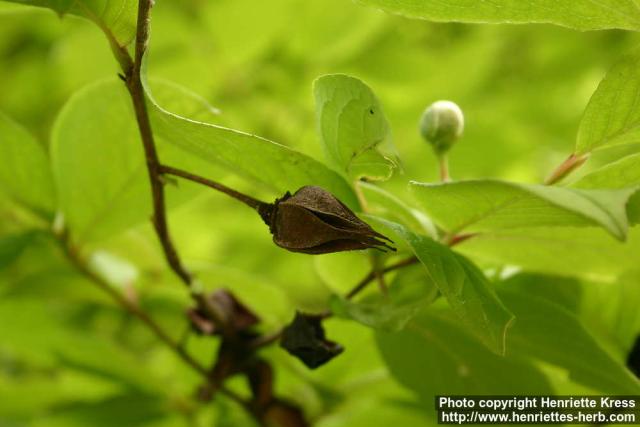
305	339
282	413
269	409
313	221
239	316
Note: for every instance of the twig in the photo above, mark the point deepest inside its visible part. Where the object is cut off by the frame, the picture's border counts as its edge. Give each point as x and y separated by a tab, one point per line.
134	85
179	350
265	340
573	162
372	276
379	275
80	264
456	239
247	200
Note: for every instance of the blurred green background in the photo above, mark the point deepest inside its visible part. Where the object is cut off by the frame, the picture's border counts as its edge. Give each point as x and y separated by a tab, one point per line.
69	357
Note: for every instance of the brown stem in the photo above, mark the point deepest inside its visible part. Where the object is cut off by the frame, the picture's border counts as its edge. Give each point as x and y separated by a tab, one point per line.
456	239
136	90
134	84
247	200
130	306
379	275
573	162
80	264
372	276
265	340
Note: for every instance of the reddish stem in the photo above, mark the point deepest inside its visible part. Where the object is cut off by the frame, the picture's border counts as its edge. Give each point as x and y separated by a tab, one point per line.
572	162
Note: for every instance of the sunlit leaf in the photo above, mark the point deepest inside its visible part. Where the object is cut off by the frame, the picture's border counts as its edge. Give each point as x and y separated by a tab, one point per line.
574	252
99	165
117	18
25	174
351	126
578	14
409	293
276	166
465	287
473	206
381	202
613	114
12	246
434	355
548	331
624	173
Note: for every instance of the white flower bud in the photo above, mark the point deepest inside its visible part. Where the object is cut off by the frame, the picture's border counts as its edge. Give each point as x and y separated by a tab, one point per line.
441	125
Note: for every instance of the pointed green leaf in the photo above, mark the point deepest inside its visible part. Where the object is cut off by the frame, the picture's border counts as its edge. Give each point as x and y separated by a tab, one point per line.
574	252
435	356
550	332
98	162
99	165
624	173
578	14
117	18
468	291
25	173
485	205
351	126
276	166
383	203
12	246
613	114
408	294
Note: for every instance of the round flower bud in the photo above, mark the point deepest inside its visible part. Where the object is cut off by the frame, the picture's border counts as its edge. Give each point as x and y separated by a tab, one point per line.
441	125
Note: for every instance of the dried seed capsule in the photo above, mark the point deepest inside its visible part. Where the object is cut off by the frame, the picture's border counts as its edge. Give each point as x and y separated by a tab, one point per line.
313	221
304	338
239	316
441	125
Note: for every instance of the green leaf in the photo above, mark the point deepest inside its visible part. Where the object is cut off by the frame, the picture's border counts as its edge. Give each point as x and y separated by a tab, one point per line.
382	203
468	291
99	165
117	18
12	246
409	293
612	116
612	309
31	395
98	162
479	206
577	14
550	332
624	173
339	271
573	252
25	174
126	410
435	356
276	166
351	126
54	341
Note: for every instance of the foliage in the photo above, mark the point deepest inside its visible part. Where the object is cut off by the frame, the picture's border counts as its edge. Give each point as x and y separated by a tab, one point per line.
499	285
